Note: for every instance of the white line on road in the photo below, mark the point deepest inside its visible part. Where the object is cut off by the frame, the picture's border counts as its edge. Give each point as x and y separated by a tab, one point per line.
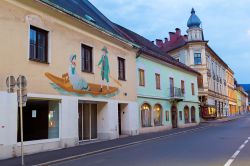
231	160
119	146
235	154
242	146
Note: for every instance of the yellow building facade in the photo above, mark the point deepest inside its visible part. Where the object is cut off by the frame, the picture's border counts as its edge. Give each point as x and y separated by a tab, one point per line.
81	78
231	92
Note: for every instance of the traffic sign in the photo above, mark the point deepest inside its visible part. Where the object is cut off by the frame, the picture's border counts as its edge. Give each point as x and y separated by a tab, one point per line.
21	82
10	83
24	97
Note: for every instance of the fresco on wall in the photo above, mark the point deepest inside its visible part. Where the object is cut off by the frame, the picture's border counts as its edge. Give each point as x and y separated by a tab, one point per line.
71	83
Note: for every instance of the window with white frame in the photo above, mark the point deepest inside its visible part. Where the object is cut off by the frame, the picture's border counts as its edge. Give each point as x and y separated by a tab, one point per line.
197	58
38	45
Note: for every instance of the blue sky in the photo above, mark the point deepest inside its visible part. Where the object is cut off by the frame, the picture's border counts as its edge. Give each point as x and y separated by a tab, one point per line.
226	24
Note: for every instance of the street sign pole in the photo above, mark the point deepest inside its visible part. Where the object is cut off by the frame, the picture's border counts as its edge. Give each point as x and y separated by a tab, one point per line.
21	97
21	121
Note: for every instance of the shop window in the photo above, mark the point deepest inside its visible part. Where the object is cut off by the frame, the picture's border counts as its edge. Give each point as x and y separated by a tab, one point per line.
186	114
157	115
40	120
146	115
38	45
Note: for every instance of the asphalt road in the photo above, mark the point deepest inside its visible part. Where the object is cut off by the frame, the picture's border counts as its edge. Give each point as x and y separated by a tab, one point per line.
224	144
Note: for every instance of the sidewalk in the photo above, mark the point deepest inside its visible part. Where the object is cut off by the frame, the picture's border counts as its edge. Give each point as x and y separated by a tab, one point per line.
224	119
94	148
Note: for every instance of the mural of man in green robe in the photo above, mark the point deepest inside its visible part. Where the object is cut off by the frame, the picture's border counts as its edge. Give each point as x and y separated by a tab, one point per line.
104	62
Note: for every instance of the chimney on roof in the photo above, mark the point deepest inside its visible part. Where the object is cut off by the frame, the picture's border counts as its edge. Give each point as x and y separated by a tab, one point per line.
172	36
185	37
159	43
166	41
177	32
153	41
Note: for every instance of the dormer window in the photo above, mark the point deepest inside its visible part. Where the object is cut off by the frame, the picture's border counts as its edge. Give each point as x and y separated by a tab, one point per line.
89	18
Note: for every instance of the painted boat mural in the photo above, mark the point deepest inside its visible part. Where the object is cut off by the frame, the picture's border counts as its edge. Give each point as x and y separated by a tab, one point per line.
94	89
72	84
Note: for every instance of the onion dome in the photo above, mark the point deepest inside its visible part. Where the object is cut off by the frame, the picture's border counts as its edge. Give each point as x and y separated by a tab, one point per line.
193	20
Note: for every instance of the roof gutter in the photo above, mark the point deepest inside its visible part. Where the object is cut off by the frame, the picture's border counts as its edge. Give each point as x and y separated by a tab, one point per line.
138	53
58	8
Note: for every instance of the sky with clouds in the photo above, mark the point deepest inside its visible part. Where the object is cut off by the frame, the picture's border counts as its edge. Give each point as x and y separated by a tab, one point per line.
226	24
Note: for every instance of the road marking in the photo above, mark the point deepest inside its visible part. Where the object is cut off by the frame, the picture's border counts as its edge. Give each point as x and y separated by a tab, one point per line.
117	147
235	154
231	160
242	146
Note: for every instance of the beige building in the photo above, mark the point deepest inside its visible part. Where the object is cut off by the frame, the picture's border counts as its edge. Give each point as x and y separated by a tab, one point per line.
242	100
194	51
232	96
80	74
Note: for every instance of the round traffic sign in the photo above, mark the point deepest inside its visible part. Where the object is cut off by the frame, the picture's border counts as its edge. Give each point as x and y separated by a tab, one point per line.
21	82
10	82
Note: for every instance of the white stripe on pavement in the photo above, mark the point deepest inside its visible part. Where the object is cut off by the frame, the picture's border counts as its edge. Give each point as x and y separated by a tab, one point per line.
231	160
242	146
235	154
119	146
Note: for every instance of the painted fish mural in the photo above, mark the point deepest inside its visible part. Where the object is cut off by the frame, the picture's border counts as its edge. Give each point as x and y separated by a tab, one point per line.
72	84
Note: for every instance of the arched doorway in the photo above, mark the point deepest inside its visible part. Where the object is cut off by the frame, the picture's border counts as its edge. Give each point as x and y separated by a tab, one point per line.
146	115
157	115
193	114
174	116
186	114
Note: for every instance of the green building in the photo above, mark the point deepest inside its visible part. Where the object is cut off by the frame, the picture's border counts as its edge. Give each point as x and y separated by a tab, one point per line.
167	90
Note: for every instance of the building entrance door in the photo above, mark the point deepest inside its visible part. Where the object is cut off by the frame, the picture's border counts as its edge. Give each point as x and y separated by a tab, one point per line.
87	121
119	119
174	116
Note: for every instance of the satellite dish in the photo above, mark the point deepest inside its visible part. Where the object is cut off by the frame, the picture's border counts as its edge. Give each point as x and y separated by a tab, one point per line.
21	82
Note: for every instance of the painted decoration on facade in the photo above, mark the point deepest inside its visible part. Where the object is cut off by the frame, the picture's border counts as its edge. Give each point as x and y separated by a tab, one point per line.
72	83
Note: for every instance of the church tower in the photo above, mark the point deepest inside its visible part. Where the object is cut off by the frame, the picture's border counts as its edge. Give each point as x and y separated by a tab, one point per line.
195	32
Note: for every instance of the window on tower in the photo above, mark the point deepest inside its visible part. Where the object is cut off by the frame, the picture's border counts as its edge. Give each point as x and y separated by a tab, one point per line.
197	58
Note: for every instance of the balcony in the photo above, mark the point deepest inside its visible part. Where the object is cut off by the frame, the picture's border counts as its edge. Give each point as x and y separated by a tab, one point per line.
176	94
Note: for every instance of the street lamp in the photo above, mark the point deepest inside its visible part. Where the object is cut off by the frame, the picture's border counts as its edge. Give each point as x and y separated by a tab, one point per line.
21	98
